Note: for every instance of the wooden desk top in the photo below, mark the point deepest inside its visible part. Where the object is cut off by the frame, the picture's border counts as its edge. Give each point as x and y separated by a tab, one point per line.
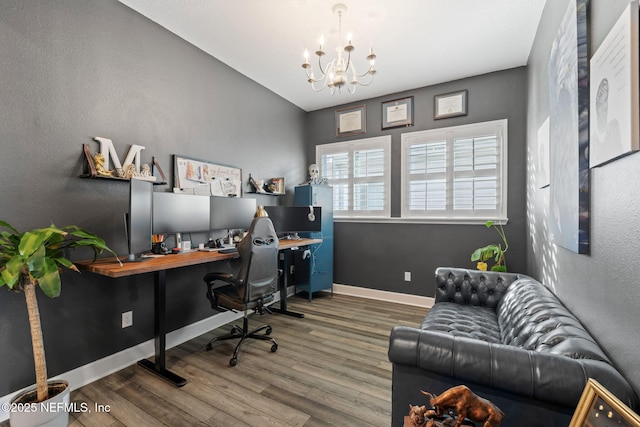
111	268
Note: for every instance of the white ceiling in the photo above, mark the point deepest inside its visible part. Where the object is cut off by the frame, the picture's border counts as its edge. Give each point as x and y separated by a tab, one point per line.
418	42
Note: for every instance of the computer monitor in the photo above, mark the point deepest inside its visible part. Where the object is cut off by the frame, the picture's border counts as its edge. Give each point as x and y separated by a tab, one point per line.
175	213
138	221
231	212
295	219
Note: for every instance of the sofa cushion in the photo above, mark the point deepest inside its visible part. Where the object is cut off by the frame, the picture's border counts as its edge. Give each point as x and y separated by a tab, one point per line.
532	318
464	321
472	287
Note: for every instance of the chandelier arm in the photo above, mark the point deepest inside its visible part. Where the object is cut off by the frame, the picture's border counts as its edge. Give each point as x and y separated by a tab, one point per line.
366	72
321	88
320	66
365	84
310	79
348	62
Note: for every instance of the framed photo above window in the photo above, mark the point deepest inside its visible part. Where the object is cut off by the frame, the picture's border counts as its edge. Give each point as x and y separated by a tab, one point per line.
397	113
450	104
351	121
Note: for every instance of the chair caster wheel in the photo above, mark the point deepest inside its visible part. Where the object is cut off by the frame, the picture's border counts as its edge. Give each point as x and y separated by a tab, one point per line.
233	362
268	331
274	348
209	347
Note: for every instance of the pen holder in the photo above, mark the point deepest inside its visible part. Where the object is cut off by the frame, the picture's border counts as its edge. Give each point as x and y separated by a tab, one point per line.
159	248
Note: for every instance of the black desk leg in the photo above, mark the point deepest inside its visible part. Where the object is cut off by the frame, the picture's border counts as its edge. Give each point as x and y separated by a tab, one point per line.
283	290
158	366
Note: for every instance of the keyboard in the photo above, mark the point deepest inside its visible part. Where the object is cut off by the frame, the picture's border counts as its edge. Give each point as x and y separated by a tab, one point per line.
228	250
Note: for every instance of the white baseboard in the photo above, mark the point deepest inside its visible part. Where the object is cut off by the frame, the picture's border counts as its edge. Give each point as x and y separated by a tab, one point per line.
93	371
407	299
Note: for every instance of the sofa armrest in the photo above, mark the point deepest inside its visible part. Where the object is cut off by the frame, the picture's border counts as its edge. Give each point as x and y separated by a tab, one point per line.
542	376
474	287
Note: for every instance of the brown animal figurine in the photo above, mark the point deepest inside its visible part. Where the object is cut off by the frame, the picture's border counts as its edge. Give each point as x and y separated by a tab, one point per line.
467	405
417	415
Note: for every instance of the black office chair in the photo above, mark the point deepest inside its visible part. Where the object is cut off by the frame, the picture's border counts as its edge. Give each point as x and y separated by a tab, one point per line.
253	287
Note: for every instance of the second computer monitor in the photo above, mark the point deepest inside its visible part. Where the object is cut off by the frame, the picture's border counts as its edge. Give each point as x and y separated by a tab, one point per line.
231	212
295	219
180	213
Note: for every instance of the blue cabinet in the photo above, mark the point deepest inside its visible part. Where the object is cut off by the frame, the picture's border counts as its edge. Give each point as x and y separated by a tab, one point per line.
316	274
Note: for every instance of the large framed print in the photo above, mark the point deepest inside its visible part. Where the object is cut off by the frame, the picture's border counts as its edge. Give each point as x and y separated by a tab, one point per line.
397	113
199	176
450	104
351	121
614	129
569	131
598	407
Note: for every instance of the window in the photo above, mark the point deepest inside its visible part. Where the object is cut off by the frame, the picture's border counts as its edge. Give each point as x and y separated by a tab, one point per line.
359	172
456	173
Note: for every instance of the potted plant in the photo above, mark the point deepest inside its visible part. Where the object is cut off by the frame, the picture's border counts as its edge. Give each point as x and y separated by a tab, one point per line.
492	252
35	259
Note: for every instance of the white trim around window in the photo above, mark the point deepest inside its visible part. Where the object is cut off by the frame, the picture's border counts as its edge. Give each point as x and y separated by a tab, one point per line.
455	174
360	173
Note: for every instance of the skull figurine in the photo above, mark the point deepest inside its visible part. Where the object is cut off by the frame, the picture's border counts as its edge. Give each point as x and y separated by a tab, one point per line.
314	172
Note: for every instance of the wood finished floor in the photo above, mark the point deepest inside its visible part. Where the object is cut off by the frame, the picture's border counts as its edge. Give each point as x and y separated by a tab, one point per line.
331	368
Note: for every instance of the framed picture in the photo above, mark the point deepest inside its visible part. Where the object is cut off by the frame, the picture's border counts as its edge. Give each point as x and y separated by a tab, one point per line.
397	113
351	121
599	408
615	91
450	104
203	177
569	152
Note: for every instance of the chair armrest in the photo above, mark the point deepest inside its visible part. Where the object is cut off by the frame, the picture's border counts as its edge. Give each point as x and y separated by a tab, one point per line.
211	277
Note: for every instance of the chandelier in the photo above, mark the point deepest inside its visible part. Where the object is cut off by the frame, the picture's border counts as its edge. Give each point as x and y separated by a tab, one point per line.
340	72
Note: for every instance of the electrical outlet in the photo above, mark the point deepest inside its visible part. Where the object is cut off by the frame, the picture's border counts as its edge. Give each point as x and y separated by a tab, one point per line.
127	319
407	276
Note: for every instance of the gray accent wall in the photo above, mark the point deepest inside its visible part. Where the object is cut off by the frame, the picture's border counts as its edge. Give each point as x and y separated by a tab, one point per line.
376	255
71	70
591	286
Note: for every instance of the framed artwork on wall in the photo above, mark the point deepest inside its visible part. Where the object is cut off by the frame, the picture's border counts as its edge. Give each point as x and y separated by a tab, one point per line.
450	104
397	113
351	120
569	131
600	408
614	103
203	177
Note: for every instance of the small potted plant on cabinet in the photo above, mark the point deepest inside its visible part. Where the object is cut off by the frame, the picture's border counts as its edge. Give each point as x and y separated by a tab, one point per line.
35	259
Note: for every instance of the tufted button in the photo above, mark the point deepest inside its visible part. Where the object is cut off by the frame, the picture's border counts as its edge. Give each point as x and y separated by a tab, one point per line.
490	292
450	299
457	288
473	290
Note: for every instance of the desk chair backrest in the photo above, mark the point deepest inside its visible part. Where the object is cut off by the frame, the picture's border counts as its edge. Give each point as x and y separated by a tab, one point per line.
259	256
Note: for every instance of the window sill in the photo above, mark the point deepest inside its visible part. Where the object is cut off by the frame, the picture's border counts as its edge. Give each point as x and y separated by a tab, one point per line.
397	220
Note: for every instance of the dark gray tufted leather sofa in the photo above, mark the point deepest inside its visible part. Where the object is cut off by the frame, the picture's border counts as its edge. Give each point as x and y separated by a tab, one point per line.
509	339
